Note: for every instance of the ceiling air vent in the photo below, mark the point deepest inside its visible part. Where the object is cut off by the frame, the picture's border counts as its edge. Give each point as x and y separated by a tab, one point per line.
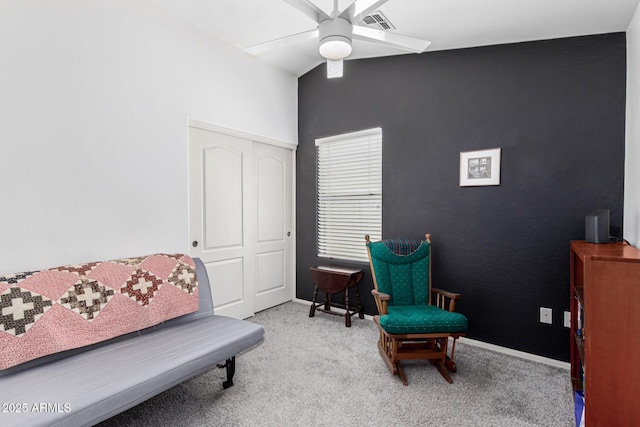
377	20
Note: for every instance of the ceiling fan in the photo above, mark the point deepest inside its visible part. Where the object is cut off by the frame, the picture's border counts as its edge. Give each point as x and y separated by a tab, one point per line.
336	31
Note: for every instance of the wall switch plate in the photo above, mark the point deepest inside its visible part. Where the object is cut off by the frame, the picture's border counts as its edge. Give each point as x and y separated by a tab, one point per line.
567	319
545	315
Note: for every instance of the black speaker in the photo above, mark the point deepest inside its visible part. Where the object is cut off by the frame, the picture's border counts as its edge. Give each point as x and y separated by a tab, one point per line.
596	226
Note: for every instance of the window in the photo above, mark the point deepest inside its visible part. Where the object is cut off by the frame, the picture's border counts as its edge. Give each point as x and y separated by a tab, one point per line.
349	193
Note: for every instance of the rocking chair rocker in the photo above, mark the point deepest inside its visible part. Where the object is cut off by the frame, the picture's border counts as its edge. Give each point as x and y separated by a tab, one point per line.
415	320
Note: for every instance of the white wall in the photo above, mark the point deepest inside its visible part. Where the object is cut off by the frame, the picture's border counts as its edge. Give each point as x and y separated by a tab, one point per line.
94	104
632	156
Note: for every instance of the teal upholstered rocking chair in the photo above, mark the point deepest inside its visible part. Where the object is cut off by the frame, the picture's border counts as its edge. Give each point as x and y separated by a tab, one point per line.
415	320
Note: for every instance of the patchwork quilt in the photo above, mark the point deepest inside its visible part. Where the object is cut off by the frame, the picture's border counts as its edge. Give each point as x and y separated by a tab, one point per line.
48	311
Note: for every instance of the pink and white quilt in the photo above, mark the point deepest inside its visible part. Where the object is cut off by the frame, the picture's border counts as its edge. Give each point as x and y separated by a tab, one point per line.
48	311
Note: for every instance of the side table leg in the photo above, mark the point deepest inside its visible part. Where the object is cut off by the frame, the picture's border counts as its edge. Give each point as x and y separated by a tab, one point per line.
347	315
312	310
360	309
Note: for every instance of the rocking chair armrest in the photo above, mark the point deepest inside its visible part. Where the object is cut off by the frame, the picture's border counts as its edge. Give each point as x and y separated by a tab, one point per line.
441	299
381	301
380	295
447	294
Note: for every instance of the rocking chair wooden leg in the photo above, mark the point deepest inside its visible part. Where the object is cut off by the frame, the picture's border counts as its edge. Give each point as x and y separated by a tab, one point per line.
451	366
401	374
384	354
443	370
448	362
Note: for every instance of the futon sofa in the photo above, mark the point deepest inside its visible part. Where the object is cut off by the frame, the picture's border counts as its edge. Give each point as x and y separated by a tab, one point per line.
86	385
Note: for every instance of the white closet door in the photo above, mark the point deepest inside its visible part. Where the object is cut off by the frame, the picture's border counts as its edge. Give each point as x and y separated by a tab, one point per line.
240	204
273	244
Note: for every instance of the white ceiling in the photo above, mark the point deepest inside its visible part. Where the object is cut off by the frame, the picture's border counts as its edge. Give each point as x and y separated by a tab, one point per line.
448	24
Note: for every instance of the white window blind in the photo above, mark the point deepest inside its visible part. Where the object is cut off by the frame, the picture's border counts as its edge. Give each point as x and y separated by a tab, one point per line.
349	193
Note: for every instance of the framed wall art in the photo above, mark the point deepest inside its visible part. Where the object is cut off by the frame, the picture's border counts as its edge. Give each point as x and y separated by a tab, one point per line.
480	167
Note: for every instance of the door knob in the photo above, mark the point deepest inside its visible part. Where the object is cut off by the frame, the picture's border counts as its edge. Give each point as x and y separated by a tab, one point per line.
195	243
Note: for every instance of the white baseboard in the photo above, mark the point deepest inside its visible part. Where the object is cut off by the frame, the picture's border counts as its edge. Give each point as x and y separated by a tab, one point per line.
492	347
517	353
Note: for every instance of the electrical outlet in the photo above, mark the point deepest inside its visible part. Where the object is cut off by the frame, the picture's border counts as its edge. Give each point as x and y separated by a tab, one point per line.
545	315
567	319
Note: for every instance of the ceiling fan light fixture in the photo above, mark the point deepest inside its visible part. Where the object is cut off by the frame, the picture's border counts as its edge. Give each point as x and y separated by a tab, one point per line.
335	48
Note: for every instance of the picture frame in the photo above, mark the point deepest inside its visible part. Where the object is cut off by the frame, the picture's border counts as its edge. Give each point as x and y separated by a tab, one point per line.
480	167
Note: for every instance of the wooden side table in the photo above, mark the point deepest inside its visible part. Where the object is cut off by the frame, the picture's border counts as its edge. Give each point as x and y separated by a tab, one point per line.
334	280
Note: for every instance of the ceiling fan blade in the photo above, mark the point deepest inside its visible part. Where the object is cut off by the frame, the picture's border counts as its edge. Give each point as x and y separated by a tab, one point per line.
399	41
309	9
361	8
281	42
334	68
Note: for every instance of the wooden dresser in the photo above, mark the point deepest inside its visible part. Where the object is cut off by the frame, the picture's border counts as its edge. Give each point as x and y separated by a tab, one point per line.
605	326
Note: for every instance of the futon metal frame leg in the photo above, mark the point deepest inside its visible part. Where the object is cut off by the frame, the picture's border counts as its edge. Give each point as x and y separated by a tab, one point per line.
230	364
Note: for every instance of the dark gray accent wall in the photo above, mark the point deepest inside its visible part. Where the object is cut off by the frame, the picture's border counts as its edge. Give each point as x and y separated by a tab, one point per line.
557	110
